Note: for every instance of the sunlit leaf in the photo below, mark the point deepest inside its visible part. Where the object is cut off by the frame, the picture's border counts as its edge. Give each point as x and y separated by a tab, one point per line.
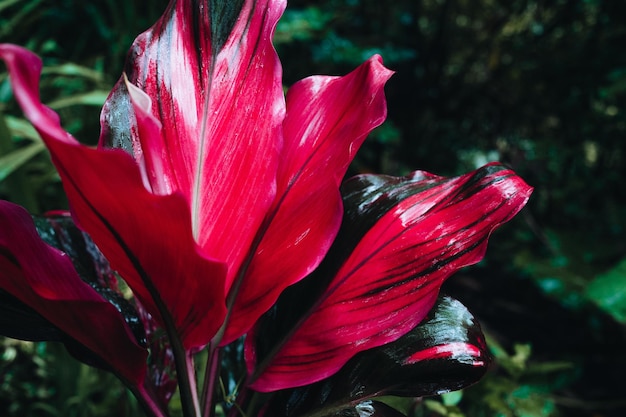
400	239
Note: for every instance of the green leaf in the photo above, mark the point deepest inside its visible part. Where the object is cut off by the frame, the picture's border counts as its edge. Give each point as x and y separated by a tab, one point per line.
73	70
608	291
93	98
452	398
14	160
7	3
6	144
21	128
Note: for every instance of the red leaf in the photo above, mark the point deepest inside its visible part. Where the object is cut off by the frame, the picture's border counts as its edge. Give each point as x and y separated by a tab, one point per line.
200	110
327	120
44	278
445	352
207	118
401	238
201	117
147	238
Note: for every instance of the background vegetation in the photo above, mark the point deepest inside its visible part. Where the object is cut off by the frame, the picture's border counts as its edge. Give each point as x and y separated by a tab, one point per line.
537	84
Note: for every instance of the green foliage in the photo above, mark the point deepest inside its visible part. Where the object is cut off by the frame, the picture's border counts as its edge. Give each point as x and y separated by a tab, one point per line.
26	174
519	387
22	169
42	380
24	379
608	290
523	388
574	272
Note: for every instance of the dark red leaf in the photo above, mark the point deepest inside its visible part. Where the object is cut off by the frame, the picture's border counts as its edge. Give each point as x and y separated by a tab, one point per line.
445	352
58	230
401	238
327	120
44	279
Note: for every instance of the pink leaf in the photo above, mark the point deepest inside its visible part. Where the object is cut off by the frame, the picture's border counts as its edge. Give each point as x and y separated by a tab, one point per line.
206	95
147	238
327	120
401	238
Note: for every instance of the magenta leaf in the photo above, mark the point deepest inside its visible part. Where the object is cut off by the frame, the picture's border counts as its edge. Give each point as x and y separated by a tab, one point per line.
198	135
198	117
44	279
59	231
100	185
202	115
20	321
445	352
400	239
322	131
327	120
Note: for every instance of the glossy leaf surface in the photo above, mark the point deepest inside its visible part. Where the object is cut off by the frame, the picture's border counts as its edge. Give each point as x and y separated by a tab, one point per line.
44	279
101	184
202	115
400	239
211	146
268	188
327	120
58	230
445	352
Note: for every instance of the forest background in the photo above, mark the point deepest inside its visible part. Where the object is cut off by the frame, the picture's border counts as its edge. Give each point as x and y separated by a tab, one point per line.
537	84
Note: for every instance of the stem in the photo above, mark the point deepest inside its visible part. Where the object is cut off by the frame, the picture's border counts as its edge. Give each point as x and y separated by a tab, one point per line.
237	409
184	370
148	404
191	372
187	386
210	377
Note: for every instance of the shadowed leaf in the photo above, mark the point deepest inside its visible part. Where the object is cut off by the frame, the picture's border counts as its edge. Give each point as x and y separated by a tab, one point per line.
445	352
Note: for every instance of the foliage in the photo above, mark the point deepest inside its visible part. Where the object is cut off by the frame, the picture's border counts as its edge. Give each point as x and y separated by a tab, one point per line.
42	380
539	85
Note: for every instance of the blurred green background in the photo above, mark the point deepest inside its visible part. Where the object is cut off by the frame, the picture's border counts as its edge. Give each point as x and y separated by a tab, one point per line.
539	85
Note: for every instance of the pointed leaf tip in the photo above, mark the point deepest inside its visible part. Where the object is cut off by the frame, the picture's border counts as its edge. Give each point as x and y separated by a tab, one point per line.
99	183
327	120
400	239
